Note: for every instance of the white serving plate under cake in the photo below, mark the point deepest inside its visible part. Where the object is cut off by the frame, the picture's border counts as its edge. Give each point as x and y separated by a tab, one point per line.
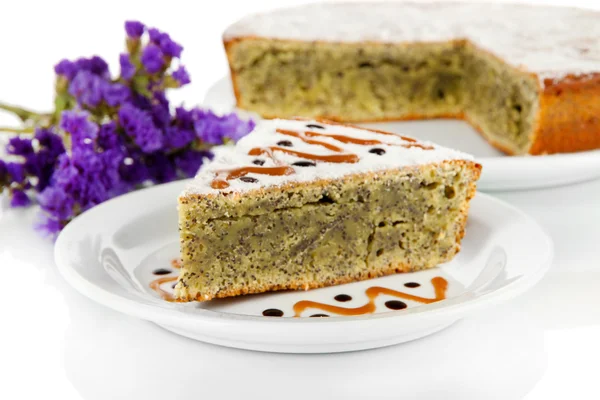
114	252
500	172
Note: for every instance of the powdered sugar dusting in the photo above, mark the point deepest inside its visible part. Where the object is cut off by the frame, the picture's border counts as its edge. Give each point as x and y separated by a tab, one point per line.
265	134
549	41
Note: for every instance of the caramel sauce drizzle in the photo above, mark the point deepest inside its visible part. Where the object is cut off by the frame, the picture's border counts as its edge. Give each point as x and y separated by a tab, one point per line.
303	137
440	285
221	178
329	122
155	285
347	139
220	181
333	158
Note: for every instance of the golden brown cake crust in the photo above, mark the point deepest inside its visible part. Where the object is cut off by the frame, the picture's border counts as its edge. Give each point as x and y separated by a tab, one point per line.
568	116
302	285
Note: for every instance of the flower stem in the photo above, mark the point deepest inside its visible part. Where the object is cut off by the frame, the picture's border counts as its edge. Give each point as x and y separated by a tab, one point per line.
22	113
6	129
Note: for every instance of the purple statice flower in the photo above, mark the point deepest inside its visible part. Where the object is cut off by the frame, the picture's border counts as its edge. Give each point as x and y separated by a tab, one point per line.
152	58
235	128
140	101
41	163
161	169
81	180
184	118
65	175
127	67
66	68
189	161
16	172
96	65
206	125
19	199
50	141
49	226
134	29
57	203
181	76
19	147
86	177
213	129
169	47
161	113
83	131
115	94
3	174
87	88
139	126
132	170
177	138
108	138
181	133
101	171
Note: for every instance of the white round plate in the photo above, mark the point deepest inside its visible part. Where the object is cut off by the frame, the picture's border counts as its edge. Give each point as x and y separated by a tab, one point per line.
500	172
111	252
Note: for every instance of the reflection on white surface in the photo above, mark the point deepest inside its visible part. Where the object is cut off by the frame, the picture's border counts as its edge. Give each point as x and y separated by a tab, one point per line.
473	359
34	310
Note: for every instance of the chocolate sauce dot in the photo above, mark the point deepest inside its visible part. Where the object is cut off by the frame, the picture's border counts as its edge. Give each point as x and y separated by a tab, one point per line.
319	315
395	305
273	312
412	284
161	271
284	143
377	151
258	162
248	179
304	164
343	297
314	126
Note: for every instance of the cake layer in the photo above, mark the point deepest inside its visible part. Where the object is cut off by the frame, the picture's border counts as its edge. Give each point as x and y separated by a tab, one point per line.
350	204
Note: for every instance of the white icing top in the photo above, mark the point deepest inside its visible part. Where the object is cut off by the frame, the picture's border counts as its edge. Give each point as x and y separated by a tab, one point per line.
265	135
550	41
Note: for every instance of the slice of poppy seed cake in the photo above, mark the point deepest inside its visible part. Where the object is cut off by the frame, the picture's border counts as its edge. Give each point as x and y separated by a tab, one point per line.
302	204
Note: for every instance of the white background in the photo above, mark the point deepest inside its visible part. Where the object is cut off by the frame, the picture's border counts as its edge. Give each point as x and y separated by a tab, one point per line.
54	343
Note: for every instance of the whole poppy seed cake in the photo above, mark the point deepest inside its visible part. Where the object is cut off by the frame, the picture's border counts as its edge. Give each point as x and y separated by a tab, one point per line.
301	204
527	77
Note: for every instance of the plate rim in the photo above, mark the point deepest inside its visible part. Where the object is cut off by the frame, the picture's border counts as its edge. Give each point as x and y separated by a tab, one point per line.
174	315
